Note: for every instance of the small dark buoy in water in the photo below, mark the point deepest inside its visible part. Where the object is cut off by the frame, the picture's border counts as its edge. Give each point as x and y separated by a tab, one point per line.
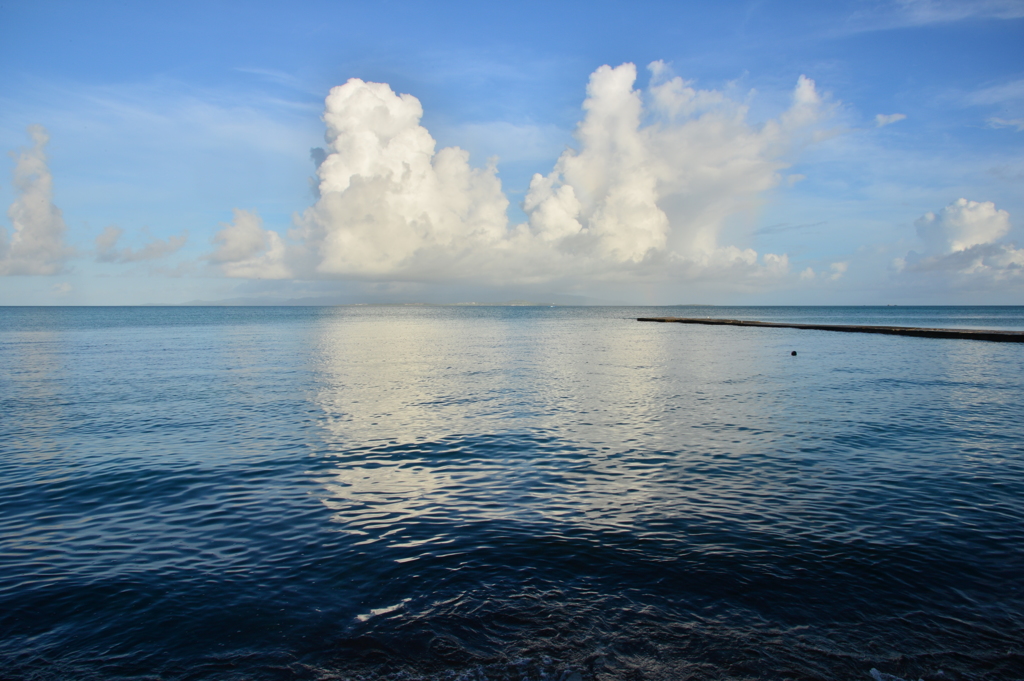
793	353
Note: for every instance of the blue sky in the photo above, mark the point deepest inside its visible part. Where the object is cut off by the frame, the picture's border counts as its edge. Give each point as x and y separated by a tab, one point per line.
735	152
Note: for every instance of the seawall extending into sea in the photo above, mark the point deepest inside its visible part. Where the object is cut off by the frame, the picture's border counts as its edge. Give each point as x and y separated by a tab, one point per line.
962	334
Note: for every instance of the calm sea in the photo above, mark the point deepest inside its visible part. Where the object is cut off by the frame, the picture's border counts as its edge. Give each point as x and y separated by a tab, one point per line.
508	493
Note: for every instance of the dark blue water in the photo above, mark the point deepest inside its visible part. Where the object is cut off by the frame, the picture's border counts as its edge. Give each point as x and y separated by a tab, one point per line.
507	493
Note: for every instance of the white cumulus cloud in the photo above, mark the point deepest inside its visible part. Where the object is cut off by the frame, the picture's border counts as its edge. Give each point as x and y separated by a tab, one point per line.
247	250
654	180
838	269
634	190
961	240
605	196
390	205
37	245
962	224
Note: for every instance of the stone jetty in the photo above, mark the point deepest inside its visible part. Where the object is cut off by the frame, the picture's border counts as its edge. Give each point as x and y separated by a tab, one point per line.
962	334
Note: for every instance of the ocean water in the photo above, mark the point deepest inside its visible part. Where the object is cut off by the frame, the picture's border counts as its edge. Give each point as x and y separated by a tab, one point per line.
508	493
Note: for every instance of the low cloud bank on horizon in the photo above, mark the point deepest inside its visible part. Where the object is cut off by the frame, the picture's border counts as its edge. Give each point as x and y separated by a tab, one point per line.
657	179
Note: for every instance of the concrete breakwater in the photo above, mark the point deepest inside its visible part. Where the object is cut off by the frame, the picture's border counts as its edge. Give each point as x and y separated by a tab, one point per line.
963	334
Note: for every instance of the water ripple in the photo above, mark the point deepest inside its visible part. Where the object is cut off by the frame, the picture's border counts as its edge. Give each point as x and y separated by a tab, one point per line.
504	493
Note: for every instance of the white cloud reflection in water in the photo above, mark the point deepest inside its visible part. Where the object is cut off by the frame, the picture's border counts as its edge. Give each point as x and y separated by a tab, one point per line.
567	420
464	413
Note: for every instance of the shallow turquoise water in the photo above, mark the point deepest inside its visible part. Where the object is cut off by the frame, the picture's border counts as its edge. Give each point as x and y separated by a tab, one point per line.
428	492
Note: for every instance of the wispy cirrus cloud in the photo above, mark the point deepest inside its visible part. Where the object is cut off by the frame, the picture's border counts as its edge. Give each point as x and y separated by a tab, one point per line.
997	94
1005	100
1016	123
107	251
882	120
892	14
